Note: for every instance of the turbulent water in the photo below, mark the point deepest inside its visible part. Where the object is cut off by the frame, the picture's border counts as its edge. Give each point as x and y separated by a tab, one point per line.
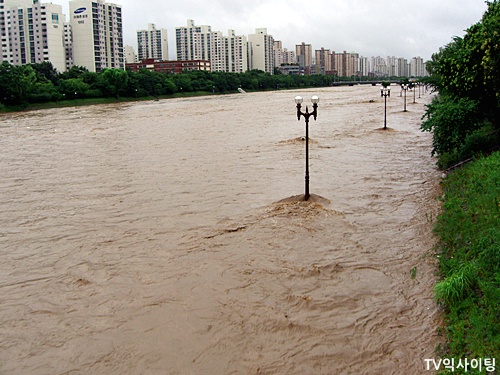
167	237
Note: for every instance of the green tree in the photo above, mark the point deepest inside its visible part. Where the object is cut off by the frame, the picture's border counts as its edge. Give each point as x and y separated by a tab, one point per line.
114	81
73	88
16	83
466	74
44	92
46	71
74	72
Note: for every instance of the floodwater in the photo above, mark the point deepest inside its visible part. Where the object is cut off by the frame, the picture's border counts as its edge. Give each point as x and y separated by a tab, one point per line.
166	237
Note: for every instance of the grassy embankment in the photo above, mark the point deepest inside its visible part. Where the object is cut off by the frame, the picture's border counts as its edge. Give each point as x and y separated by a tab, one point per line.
469	253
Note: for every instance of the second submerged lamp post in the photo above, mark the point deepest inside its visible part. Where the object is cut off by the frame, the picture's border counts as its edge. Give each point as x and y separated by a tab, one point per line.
385	92
314	113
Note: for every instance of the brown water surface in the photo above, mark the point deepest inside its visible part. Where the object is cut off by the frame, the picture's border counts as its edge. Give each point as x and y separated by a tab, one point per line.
164	237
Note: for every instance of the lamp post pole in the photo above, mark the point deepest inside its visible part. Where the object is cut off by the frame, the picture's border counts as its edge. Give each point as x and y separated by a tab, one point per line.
314	113
385	92
404	86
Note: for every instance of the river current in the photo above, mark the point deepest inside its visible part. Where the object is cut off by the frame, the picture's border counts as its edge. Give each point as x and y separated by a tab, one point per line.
168	237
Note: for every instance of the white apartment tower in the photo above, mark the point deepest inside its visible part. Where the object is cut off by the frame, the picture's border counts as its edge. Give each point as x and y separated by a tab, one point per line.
237	53
97	34
417	67
226	54
261	51
32	32
217	51
152	43
192	42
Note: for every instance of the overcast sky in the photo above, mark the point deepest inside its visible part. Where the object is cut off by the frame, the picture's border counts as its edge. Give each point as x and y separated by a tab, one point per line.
401	28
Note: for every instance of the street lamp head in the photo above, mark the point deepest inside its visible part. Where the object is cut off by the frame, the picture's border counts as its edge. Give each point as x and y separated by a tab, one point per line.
315	99
298	100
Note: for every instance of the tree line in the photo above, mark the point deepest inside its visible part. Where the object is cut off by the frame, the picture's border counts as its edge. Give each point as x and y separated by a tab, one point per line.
464	118
38	83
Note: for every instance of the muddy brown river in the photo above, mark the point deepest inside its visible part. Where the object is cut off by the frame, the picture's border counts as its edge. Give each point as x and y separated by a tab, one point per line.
166	237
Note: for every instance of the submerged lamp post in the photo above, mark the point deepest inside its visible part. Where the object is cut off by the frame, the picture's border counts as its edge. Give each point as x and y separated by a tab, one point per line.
385	92
404	86
314	113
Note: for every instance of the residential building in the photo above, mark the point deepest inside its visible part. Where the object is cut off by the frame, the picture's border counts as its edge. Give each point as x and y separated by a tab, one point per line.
324	60
402	68
226	54
32	32
217	51
193	41
289	57
68	45
278	53
236	53
97	34
174	66
363	66
417	67
282	55
130	56
304	54
152	43
261	51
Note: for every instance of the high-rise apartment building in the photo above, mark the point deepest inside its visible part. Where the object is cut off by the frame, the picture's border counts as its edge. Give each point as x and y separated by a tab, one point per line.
32	32
68	45
346	64
324	59
152	43
192	41
304	54
417	67
217	51
363	66
261	51
226	54
278	52
97	34
237	53
282	55
289	57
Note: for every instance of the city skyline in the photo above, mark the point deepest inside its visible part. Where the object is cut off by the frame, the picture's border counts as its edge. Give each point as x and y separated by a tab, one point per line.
369	27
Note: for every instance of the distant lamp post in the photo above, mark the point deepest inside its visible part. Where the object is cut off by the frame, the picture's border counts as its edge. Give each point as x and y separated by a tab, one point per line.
404	86
314	113
385	92
414	91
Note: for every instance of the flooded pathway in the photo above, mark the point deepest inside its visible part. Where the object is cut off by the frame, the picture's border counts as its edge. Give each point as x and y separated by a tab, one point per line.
161	237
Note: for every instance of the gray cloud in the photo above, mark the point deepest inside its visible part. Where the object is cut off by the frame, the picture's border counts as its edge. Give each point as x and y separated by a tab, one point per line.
402	28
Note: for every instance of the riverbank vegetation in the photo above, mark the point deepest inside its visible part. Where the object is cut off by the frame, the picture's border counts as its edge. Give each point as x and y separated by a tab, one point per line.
465	117
465	122
30	85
